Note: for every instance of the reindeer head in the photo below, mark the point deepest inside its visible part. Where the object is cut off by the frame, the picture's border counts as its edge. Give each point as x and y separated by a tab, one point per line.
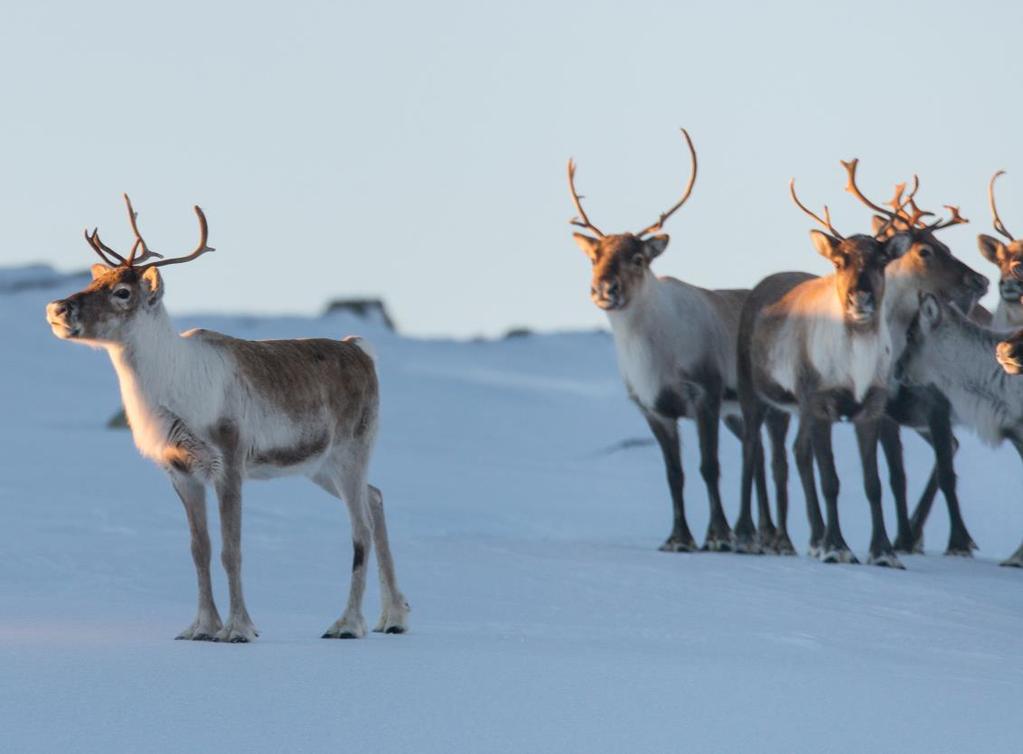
915	366
926	265
1008	257
121	291
621	262
859	261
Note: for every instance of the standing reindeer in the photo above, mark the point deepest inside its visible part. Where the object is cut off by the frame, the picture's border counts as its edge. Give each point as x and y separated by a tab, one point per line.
927	265
821	348
211	409
1008	257
946	349
676	352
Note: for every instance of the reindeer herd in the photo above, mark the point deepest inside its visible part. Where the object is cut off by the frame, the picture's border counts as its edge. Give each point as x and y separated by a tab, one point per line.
893	338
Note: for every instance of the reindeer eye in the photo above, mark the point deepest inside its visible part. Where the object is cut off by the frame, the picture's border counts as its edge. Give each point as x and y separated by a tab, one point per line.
123	293
638	260
924	252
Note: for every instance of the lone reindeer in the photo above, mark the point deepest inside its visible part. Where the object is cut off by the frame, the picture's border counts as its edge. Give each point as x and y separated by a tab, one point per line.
212	409
820	347
676	344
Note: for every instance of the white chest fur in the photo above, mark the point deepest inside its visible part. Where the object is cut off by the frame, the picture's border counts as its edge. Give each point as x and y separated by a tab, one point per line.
841	358
664	336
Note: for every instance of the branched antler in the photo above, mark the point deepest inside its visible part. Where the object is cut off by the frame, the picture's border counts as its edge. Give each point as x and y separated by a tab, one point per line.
114	259
140	242
999	225
685	194
200	248
893	216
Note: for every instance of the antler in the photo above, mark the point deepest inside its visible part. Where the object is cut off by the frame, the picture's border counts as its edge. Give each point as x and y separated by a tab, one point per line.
826	222
999	225
140	242
685	194
852	188
113	259
955	219
200	249
102	250
582	220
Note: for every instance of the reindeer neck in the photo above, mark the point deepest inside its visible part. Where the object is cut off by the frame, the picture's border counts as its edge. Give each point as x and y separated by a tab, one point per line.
150	362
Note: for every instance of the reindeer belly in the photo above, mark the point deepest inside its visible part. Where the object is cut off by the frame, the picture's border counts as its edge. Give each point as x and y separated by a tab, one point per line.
284	457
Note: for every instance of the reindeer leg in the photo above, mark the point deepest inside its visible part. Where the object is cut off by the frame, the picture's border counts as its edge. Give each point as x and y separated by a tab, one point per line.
802	449
923	506
881	552
394	612
835	550
777	428
239	628
1016	559
352	488
891	444
666	432
766	532
960	542
708	419
193	496
746	539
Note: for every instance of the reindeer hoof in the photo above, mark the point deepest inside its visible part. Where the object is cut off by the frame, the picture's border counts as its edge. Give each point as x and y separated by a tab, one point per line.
838	555
678	545
200	632
886	560
346	628
959	552
237	632
746	545
783	545
393	619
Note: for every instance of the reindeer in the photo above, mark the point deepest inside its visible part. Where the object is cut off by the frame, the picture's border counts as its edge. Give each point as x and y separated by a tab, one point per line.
928	265
1008	257
820	347
212	409
945	349
675	345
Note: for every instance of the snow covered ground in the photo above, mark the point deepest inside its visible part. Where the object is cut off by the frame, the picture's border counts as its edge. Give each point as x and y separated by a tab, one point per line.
544	618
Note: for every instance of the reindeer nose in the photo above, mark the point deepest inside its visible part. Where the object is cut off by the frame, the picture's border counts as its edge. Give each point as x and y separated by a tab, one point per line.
978	282
862	299
58	309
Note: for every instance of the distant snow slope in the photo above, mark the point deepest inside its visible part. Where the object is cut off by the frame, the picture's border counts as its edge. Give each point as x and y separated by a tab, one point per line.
544	618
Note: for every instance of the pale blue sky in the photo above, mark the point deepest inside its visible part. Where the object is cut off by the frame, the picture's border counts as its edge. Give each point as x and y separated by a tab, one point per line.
417	150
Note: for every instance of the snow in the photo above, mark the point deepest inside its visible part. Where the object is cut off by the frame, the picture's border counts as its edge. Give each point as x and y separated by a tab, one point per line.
544	618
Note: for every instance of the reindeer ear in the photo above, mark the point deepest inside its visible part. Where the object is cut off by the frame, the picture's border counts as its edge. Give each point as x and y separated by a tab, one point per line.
990	248
98	270
897	245
655	246
152	282
827	246
930	310
588	244
876	223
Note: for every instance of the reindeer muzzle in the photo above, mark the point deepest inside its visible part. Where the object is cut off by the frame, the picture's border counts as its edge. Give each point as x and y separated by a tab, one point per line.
62	317
860	307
